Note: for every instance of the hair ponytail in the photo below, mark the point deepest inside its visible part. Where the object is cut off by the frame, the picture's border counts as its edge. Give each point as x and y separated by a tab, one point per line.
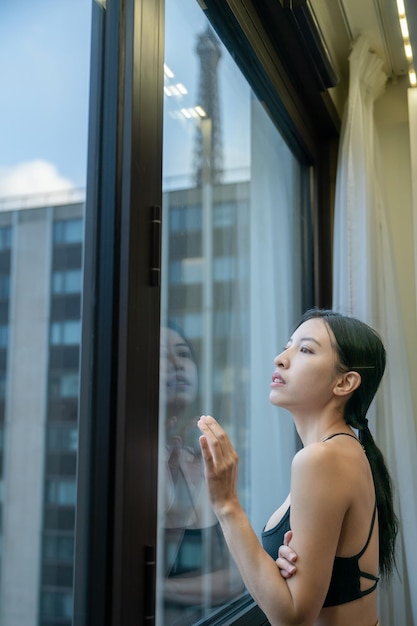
387	519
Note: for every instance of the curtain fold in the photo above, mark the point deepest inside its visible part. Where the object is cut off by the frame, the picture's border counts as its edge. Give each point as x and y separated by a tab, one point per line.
365	285
412	116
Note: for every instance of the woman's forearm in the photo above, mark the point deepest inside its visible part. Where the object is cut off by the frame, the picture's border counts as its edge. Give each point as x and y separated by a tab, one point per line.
259	572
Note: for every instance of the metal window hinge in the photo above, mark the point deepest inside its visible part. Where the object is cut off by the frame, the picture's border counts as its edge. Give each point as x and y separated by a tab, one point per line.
156	234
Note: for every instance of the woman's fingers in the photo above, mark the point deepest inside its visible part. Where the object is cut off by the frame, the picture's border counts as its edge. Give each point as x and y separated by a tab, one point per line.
286	557
286	569
287	539
217	440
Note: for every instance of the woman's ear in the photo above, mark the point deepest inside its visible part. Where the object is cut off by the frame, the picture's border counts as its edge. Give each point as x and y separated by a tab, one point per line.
347	383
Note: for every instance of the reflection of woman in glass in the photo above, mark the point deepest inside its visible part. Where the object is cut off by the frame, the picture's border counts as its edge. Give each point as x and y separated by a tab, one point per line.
198	570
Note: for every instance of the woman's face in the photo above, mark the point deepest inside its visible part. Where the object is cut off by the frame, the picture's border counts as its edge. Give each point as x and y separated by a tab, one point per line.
178	370
306	370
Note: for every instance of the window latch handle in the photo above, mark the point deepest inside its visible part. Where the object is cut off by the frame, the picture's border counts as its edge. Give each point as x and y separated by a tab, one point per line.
156	238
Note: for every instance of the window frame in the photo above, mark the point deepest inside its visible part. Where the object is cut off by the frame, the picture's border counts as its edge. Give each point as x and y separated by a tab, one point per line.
115	549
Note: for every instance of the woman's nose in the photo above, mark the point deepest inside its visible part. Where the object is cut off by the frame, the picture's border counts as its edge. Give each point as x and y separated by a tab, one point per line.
178	363
281	360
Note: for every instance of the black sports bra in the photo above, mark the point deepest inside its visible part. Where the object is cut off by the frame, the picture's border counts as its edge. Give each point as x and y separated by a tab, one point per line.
345	582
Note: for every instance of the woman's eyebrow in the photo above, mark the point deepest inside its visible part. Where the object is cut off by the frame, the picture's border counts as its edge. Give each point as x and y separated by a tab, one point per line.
307	339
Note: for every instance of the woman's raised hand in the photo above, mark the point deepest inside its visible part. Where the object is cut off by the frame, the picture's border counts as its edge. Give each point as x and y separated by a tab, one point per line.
221	464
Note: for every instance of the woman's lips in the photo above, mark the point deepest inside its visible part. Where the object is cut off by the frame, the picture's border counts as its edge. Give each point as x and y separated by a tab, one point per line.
277	379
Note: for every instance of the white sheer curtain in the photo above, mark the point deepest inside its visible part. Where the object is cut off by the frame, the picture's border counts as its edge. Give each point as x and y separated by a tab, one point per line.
365	286
412	116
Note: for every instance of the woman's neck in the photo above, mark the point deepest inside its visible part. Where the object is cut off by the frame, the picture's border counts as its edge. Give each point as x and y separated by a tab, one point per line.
313	429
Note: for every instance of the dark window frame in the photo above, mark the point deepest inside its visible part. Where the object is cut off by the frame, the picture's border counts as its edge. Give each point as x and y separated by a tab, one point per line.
116	525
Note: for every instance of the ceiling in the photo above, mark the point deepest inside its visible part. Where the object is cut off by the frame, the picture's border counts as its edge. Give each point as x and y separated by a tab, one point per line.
341	21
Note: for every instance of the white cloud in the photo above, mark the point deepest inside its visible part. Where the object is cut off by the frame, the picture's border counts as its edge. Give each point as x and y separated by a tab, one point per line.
33	184
32	177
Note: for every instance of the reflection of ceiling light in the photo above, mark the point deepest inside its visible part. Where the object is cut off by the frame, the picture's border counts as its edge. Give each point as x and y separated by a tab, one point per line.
189	113
169	73
175	90
413	78
201	112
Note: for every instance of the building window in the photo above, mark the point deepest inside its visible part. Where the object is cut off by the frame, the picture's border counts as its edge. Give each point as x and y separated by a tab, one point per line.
64	385
68	231
66	333
4	336
56	604
4	286
5	238
61	492
58	548
185	218
62	438
65	282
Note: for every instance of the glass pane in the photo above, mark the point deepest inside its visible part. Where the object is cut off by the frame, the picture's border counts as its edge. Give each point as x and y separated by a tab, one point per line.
231	292
44	64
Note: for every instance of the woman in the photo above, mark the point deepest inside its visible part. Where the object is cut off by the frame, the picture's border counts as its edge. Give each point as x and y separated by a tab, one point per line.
198	569
340	507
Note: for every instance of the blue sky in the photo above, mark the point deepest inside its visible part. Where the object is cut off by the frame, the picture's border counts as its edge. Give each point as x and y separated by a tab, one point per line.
44	69
184	21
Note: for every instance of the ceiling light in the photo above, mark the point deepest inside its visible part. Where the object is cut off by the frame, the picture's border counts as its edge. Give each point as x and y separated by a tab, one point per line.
408	51
404	27
400	7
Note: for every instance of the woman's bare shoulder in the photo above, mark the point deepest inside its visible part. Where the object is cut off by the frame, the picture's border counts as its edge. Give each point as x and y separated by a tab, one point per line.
318	465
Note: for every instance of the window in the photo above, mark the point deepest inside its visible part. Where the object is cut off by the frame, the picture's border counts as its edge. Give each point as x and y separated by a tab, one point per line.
231	291
4	286
235	247
64	385
4	336
5	238
45	69
66	282
58	548
56	605
61	492
62	438
66	333
68	231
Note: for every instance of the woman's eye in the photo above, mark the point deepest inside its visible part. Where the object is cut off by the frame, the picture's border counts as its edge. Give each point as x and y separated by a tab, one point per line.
306	350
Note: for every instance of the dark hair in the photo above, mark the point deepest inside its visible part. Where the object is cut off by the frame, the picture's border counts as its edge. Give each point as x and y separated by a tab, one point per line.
360	349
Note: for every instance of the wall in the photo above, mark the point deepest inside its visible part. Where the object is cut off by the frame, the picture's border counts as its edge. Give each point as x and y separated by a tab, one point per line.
391	116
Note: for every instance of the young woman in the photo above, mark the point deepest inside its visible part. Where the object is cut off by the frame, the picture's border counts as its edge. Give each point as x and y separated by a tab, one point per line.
340	507
198	572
